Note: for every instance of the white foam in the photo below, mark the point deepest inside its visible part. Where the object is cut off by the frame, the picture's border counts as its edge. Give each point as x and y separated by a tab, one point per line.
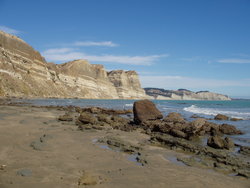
128	104
214	112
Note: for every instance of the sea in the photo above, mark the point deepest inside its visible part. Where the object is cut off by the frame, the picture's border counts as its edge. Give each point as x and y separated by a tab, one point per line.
207	109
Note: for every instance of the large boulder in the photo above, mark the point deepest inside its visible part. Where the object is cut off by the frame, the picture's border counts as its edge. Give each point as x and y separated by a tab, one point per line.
221	117
229	129
145	110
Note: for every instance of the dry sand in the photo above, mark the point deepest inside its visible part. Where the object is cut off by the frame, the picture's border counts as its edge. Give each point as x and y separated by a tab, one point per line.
37	151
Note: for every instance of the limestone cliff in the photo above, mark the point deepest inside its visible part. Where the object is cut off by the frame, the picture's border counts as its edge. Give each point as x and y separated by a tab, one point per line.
127	84
25	73
183	94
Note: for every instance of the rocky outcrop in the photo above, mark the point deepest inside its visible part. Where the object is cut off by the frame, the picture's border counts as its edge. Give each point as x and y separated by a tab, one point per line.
183	94
25	73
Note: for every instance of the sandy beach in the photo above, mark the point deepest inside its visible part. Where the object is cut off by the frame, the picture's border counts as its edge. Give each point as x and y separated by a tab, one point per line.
37	150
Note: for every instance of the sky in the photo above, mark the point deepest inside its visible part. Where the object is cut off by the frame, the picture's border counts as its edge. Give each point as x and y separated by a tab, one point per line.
192	44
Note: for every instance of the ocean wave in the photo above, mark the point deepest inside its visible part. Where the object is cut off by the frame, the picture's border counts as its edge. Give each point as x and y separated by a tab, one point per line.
211	111
128	105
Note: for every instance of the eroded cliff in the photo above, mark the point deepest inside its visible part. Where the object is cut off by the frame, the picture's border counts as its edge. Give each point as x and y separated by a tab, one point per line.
25	73
183	94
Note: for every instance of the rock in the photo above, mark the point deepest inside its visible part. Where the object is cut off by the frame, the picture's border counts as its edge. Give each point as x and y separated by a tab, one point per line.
229	129
65	117
174	117
24	172
210	127
178	133
87	118
228	143
208	157
145	110
235	119
218	142
198	123
99	110
195	116
104	118
215	142
245	150
121	145
157	126
221	117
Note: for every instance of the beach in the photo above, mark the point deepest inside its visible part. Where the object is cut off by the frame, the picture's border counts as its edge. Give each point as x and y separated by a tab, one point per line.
37	150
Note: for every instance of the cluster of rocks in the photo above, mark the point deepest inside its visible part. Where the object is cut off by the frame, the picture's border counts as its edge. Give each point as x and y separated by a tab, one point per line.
147	115
225	118
99	118
172	131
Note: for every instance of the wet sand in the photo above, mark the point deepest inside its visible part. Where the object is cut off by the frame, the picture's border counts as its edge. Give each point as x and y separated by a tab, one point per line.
39	151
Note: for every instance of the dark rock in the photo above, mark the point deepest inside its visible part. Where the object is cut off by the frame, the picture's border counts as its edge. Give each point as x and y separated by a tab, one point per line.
177	133
229	129
65	117
157	126
215	142
104	118
119	119
228	143
195	126
245	150
221	117
195	116
87	118
209	157
218	142
121	145
235	119
210	127
145	110
99	110
174	117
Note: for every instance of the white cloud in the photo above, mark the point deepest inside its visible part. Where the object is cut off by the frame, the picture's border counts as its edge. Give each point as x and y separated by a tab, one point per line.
68	54
9	30
93	43
236	61
175	82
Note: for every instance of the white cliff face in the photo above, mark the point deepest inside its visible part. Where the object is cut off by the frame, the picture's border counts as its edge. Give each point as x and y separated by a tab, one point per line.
127	84
25	73
162	94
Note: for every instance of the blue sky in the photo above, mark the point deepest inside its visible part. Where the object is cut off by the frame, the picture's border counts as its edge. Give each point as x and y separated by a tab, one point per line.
192	44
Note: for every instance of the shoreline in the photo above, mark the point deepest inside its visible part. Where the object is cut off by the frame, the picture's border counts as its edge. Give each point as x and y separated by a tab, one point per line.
95	155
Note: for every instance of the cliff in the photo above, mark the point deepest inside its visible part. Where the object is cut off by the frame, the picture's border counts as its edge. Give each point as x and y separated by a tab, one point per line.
183	94
25	73
127	84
